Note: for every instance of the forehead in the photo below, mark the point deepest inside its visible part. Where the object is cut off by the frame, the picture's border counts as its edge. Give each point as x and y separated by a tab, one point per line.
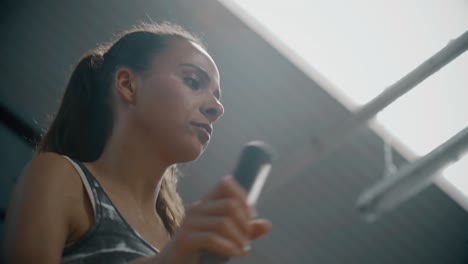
181	51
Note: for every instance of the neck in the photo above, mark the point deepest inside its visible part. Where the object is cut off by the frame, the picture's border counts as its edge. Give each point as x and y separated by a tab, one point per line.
133	168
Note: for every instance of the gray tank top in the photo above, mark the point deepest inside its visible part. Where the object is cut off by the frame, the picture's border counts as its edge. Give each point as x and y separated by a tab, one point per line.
110	239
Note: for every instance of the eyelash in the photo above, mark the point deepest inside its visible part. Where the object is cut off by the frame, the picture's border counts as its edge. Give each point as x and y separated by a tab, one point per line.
192	83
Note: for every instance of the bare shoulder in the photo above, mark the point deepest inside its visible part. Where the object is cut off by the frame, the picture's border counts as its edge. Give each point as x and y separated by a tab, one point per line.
48	163
41	208
48	174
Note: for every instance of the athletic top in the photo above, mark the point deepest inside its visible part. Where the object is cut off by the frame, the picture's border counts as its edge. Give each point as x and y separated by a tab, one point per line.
110	239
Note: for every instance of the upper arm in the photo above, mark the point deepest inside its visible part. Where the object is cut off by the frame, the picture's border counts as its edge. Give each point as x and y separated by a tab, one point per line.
39	216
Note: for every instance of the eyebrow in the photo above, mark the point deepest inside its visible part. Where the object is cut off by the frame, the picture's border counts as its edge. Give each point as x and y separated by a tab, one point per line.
202	72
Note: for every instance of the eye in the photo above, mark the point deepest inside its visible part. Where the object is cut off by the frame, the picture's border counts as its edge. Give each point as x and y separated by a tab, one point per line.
192	83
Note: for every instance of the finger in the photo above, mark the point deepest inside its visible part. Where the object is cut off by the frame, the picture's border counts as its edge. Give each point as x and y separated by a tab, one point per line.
258	228
214	243
227	187
225	208
222	226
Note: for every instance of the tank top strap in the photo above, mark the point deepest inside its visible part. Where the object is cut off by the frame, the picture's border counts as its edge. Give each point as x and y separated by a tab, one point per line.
102	203
88	181
110	237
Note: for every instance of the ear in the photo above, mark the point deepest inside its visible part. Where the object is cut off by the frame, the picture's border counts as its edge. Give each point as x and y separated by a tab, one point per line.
126	84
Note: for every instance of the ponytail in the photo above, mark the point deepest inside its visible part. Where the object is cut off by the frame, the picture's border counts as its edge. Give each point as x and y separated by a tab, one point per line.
169	204
84	120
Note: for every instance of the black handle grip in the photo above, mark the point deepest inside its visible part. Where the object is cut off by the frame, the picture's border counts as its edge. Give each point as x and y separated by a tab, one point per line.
253	157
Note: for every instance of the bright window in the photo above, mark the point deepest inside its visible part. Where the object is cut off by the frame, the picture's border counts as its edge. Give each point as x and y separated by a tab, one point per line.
363	46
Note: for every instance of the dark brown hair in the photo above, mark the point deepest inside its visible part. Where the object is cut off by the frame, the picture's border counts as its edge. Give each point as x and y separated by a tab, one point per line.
84	120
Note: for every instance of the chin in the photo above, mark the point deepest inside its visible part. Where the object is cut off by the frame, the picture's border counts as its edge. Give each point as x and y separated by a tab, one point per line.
191	152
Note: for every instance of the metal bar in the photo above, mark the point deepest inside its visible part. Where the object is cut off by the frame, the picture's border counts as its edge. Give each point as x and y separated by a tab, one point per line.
20	128
412	178
454	49
296	163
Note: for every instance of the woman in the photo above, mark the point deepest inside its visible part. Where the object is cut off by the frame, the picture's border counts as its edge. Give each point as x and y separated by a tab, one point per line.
102	185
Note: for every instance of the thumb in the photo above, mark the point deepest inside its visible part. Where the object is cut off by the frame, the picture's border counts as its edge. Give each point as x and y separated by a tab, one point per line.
258	228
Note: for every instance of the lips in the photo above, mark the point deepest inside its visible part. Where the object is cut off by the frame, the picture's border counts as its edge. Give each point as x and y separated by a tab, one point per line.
204	126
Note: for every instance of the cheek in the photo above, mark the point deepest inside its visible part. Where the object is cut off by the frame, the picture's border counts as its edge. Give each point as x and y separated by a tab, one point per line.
165	110
165	101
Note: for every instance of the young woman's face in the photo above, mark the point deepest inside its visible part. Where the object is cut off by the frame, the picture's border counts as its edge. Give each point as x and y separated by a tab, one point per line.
177	101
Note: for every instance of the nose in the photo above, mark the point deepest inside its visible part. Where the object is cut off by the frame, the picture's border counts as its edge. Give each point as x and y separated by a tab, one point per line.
213	110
